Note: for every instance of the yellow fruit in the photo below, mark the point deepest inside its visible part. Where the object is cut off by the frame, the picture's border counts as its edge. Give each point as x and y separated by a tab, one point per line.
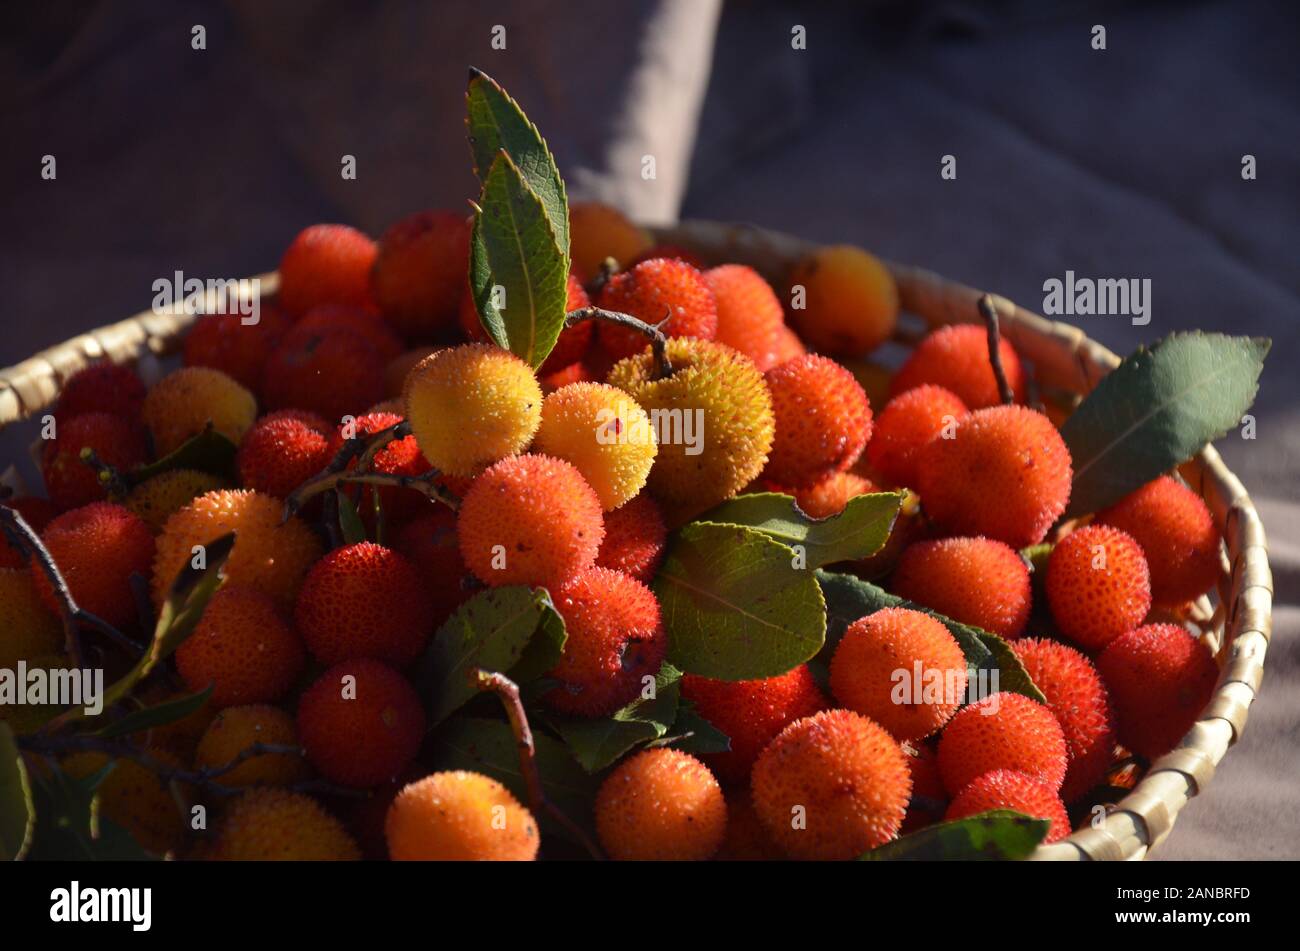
275	825
661	805
459	816
185	401
236	729
850	301
156	499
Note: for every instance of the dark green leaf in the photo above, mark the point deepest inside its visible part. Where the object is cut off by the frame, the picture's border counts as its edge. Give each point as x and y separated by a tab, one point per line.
69	827
350	524
693	734
859	531
158	715
596	744
209	452
990	836
493	631
1156	410
17	813
735	606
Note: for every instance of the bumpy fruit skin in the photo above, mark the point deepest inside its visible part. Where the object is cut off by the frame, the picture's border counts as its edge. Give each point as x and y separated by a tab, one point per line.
361	723
750	318
71	482
282	451
159	497
399	457
243	648
471	406
570	347
1005	474
661	805
37	513
977	581
28	628
186	401
656	291
529	520
101	388
823	420
98	548
1177	536
364	600
134	798
847	774
598	231
746	839
362	321
326	264
1097	585
429	543
239	350
604	433
236	729
1007	789
616	638
1078	699
851	301
908	422
270	555
1002	731
276	825
331	372
1159	678
635	539
420	271
956	358
721	396
829	495
751	713
459	816
879	649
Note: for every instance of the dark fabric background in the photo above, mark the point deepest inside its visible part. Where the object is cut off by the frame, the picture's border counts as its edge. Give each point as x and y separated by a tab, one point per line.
1122	163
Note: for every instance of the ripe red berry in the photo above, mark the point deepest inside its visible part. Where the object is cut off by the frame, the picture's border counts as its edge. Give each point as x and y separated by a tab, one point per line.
362	321
282	451
421	270
750	316
956	357
400	457
326	264
656	291
977	581
101	388
635	538
908	422
570	347
239	350
72	482
97	548
335	373
1097	585
1008	789
37	513
1002	731
823	420
429	543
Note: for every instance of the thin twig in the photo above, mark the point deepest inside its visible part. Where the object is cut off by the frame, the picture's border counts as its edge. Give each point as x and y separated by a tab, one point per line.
508	693
658	339
990	315
608	268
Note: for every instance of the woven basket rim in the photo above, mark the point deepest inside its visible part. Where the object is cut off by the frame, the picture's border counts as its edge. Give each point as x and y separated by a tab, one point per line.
1240	626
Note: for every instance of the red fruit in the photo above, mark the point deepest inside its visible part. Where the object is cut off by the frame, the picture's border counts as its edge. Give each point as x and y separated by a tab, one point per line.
1002	731
101	388
429	543
399	457
929	798
239	350
1177	536
654	291
326	264
751	713
823	420
956	357
421	270
364	601
1160	678
830	495
1005	474
97	548
334	373
750	316
72	482
37	513
1078	700
1097	585
908	422
635	537
282	451
362	321
973	580
570	346
616	638
1007	789
360	723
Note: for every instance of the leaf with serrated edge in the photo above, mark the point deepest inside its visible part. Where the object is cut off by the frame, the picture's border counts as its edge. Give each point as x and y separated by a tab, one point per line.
998	835
734	605
17	813
596	744
1156	410
857	532
515	246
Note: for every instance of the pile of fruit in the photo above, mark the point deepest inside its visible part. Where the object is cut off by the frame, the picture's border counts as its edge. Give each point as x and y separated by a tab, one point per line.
637	557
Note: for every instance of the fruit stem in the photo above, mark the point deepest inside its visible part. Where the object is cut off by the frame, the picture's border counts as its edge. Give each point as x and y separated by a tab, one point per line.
508	693
990	315
108	476
658	340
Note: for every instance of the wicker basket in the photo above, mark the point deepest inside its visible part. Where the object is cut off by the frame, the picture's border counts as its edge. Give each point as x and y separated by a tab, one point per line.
1237	627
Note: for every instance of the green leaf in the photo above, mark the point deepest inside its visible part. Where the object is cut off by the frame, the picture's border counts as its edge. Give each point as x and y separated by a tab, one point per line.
495	123
849	598
859	531
17	812
1156	410
494	630
350	524
209	452
489	747
596	744
735	606
693	734
988	837
69	826
158	715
